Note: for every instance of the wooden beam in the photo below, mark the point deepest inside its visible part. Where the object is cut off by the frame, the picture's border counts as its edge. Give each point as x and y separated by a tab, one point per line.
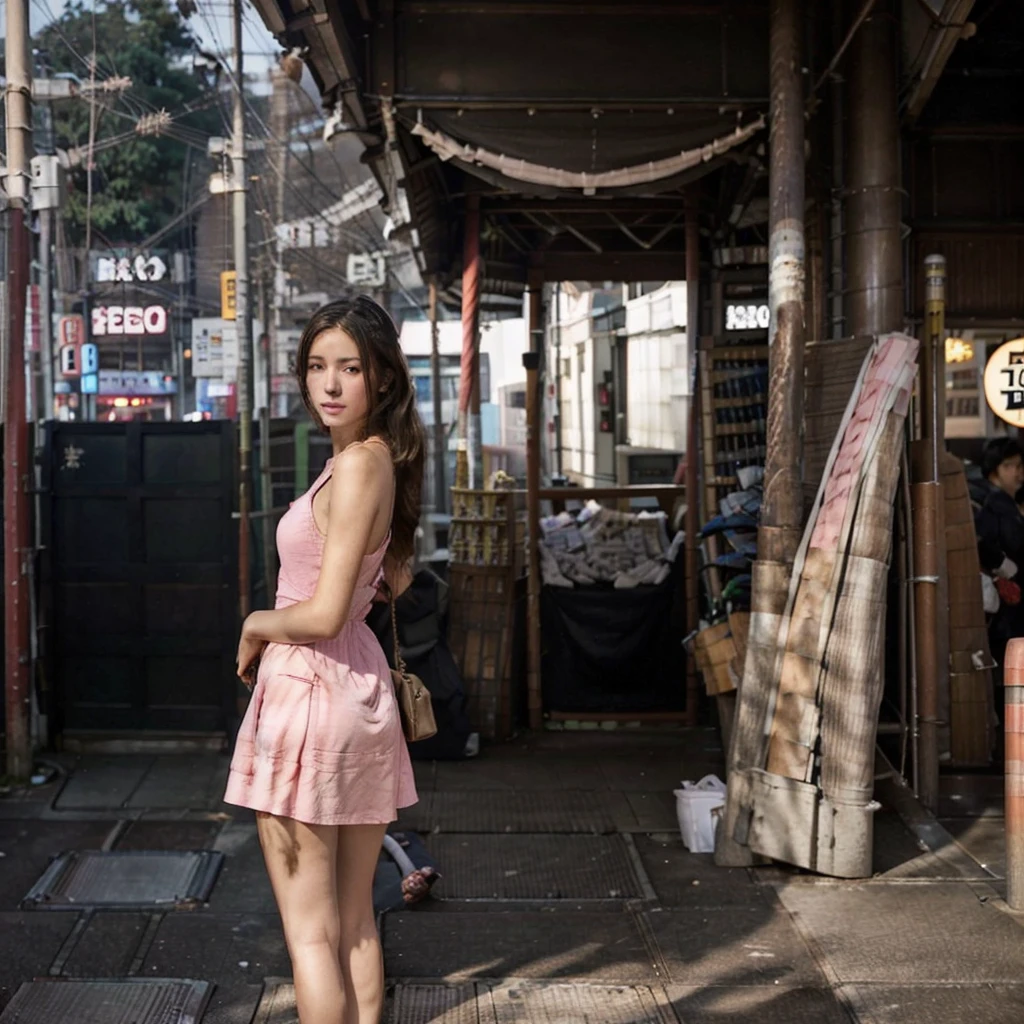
496	203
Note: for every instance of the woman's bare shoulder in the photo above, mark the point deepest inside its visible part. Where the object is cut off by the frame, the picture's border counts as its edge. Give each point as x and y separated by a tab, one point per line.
363	465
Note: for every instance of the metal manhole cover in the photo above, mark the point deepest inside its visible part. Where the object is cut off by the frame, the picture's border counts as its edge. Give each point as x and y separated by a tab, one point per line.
544	867
136	1001
144	878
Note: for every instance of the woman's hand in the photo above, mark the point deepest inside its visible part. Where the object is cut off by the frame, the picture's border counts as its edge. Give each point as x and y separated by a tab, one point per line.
248	658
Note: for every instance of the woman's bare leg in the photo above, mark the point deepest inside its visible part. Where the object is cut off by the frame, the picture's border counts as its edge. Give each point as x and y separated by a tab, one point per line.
301	861
362	965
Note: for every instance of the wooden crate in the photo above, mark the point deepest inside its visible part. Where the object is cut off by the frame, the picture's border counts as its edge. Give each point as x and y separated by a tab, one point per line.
481	636
487	529
719	652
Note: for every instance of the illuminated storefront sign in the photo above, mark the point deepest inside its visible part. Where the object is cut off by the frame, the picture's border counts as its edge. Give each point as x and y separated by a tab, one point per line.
748	316
110	321
1004	382
128	269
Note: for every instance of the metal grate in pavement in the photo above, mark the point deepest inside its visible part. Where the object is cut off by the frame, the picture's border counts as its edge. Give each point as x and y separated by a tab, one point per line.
528	1002
541	1003
536	867
136	1001
438	1004
578	945
91	878
566	811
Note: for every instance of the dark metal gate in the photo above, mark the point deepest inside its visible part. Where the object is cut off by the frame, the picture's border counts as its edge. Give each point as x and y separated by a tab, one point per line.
139	576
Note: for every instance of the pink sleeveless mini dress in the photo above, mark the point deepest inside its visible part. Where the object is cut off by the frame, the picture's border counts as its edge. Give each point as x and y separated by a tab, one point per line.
322	741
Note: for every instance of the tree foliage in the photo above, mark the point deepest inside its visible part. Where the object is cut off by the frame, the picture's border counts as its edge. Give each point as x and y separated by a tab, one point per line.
137	182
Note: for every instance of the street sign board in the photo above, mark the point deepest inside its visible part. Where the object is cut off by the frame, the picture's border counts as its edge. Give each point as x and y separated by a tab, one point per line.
71	330
90	359
228	295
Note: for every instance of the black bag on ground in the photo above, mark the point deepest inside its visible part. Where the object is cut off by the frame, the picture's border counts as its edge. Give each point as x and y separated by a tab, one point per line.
405	873
420	611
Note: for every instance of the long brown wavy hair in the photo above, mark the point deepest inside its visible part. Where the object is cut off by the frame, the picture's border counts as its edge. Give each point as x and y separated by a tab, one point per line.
392	413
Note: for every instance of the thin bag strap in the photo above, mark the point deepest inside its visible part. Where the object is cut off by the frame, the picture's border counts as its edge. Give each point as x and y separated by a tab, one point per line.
399	660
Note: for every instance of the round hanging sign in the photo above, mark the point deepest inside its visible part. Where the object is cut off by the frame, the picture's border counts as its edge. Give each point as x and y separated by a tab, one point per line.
1004	382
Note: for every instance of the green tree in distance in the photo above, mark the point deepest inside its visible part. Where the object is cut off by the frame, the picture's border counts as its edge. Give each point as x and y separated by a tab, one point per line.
137	183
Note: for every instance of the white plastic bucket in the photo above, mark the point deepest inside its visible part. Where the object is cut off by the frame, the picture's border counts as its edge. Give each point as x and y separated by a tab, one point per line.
696	804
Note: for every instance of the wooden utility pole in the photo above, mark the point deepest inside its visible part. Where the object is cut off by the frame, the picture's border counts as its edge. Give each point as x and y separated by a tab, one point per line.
17	535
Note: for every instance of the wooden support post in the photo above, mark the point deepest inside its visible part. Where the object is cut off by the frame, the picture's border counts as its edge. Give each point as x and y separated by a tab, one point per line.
931	625
692	523
469	380
17	465
782	510
531	361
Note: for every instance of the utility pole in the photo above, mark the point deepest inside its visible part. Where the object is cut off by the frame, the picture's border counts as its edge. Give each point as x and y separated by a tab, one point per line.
17	612
242	318
280	131
266	489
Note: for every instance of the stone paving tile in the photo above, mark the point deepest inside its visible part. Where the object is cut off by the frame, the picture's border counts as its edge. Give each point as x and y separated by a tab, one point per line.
243	884
897	852
937	1004
107	946
983	838
277	1003
104	782
654	812
229	949
691	880
182	780
29	846
730	947
31	942
578	946
775	1004
168	835
235	1004
897	934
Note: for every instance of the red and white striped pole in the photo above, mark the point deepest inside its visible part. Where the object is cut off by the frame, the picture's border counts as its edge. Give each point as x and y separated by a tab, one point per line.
1013	686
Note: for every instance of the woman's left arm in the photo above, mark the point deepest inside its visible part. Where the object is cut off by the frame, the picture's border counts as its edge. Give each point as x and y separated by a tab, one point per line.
358	488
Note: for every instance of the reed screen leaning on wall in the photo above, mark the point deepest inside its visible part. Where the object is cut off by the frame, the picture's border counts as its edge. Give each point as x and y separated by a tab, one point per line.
810	803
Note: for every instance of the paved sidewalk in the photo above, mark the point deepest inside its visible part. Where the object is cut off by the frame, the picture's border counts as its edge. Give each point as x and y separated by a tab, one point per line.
567	897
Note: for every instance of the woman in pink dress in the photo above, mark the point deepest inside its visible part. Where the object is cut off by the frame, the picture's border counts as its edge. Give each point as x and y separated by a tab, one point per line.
321	756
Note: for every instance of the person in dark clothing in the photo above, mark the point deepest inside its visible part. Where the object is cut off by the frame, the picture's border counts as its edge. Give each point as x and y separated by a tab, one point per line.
1000	528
